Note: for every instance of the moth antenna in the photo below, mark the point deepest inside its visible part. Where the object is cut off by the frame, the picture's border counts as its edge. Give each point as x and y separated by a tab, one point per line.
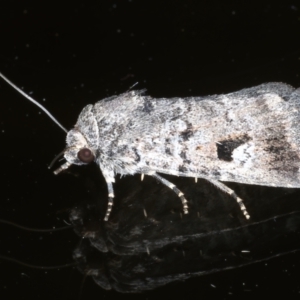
35	229
33	101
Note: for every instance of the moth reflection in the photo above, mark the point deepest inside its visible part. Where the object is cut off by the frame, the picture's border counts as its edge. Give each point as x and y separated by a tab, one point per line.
149	243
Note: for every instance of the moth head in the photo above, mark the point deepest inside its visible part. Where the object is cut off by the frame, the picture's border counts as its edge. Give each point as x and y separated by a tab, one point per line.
82	141
78	151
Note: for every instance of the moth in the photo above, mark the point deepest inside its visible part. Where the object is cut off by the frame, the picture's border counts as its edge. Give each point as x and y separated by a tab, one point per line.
250	136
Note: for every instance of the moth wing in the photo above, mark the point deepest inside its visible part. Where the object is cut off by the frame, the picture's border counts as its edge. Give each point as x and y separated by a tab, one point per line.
250	136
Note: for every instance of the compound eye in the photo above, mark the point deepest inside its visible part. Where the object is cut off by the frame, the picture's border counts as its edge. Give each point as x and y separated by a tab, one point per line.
85	155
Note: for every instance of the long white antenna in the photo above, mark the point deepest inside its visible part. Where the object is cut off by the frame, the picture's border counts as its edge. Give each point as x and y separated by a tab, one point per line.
33	101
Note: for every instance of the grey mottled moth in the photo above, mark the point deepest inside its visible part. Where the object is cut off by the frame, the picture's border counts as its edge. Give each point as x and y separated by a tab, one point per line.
250	136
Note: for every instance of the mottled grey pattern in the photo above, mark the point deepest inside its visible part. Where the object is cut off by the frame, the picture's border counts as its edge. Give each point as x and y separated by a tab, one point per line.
250	136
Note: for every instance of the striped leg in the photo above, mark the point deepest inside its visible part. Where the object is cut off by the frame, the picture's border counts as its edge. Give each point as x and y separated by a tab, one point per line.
224	188
110	200
175	189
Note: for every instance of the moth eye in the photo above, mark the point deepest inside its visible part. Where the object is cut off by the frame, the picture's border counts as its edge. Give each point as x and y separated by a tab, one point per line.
85	155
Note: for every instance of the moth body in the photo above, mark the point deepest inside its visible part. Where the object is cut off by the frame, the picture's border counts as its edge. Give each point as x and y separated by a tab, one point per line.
249	136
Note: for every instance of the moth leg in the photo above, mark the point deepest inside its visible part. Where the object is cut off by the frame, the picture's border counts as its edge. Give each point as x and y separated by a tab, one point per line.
224	188
175	189
110	203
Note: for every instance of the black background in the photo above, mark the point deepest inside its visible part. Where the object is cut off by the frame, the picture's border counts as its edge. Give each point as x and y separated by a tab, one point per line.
73	55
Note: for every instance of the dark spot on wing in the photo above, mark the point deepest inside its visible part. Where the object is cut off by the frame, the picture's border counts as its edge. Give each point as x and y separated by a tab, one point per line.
226	147
286	98
187	133
216	173
204	171
183	154
283	157
168	151
182	169
137	156
148	106
166	165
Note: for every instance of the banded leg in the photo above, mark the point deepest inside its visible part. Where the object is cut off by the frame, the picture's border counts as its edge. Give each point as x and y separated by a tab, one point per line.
224	188
175	189
110	203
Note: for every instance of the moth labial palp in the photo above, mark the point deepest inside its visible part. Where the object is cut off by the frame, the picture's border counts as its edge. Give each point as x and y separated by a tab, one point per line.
249	136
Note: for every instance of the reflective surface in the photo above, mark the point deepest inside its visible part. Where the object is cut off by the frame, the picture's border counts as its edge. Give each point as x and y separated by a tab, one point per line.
73	56
148	243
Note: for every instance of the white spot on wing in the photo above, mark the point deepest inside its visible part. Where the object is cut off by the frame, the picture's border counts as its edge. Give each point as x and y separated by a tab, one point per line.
244	155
